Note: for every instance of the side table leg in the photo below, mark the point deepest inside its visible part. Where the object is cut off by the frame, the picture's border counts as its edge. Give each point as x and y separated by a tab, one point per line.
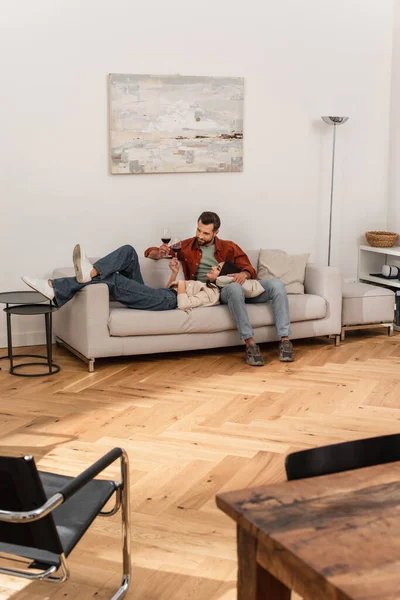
8	352
254	582
9	342
47	319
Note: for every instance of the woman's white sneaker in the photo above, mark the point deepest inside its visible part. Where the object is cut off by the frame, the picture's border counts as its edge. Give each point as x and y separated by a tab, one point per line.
82	265
40	285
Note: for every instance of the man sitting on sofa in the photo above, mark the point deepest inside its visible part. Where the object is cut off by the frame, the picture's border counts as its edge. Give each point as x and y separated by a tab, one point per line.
198	254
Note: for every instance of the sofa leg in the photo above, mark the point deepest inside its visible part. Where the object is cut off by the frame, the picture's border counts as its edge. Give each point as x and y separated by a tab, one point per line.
343	335
88	361
337	340
390	330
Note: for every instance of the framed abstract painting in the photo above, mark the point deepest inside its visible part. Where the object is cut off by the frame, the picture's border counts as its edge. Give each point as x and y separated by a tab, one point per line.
175	124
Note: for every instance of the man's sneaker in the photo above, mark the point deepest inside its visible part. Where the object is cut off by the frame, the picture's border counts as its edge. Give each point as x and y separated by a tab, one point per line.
40	285
82	265
286	353
253	357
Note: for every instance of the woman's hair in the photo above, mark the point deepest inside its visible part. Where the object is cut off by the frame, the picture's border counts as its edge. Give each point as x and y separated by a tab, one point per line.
228	268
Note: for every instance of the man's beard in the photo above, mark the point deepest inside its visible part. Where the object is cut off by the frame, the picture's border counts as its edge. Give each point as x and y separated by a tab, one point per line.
210	242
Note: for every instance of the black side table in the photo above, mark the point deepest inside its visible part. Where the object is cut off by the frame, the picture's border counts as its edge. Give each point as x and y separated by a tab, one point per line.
20	297
32	309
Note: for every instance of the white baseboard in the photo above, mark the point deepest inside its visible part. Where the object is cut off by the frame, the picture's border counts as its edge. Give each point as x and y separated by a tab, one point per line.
28	338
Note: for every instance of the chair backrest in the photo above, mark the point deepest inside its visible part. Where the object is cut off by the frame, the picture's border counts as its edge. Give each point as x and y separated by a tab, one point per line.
343	457
21	490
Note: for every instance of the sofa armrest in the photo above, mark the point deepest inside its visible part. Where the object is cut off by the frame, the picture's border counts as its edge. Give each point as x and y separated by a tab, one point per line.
83	321
327	283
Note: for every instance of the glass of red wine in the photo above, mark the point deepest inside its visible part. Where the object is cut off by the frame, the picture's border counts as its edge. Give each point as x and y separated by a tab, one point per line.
176	245
166	238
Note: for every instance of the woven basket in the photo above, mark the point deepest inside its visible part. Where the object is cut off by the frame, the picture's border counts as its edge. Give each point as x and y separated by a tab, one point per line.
381	239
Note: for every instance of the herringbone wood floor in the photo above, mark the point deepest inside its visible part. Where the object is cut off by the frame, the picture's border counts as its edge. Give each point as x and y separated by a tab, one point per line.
194	425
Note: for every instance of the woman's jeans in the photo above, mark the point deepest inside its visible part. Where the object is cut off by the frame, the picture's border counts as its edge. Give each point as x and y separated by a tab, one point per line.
120	270
275	293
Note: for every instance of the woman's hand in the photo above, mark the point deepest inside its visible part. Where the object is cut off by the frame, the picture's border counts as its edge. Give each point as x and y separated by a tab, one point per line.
174	265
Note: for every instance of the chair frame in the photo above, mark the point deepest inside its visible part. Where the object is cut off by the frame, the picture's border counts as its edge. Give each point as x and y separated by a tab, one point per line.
122	501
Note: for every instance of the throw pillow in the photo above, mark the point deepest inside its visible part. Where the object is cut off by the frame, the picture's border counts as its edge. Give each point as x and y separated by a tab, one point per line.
291	269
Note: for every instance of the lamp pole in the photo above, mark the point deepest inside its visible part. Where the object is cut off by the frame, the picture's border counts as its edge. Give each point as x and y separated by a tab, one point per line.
335	121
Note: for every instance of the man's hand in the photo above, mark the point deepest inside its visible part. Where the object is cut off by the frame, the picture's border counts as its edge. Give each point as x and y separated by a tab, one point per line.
161	252
174	265
239	277
164	250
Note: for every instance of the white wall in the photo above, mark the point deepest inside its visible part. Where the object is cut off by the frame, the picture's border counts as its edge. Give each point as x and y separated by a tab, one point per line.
394	175
300	60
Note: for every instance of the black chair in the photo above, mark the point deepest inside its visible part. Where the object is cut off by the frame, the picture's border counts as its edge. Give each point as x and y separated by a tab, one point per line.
343	457
44	515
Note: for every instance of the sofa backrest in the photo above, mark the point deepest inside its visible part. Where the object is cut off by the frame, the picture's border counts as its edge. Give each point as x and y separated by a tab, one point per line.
253	256
156	273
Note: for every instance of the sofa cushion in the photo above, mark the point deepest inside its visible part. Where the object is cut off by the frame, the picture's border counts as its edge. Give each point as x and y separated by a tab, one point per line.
129	321
364	290
306	307
126	321
291	269
156	273
253	257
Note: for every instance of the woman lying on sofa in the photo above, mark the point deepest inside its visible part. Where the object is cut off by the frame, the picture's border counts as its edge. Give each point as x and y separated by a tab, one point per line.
120	270
218	276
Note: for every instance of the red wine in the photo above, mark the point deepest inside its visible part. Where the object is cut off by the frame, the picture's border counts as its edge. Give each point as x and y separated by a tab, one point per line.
176	248
166	240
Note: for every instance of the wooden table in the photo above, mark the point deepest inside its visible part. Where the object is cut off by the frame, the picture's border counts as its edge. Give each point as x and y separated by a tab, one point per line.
327	538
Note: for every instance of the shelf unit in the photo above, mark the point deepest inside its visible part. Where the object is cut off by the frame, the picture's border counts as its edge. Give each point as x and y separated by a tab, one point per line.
371	260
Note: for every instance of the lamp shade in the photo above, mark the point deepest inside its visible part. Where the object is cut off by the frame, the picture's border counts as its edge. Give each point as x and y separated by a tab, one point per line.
335	120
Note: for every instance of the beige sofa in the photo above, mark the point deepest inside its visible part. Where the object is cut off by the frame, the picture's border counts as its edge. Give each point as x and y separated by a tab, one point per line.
92	326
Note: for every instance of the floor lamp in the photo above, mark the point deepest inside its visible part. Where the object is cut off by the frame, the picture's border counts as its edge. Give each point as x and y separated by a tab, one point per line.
335	121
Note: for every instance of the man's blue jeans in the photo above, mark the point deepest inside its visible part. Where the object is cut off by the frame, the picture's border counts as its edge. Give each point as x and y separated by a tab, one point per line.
275	293
120	270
